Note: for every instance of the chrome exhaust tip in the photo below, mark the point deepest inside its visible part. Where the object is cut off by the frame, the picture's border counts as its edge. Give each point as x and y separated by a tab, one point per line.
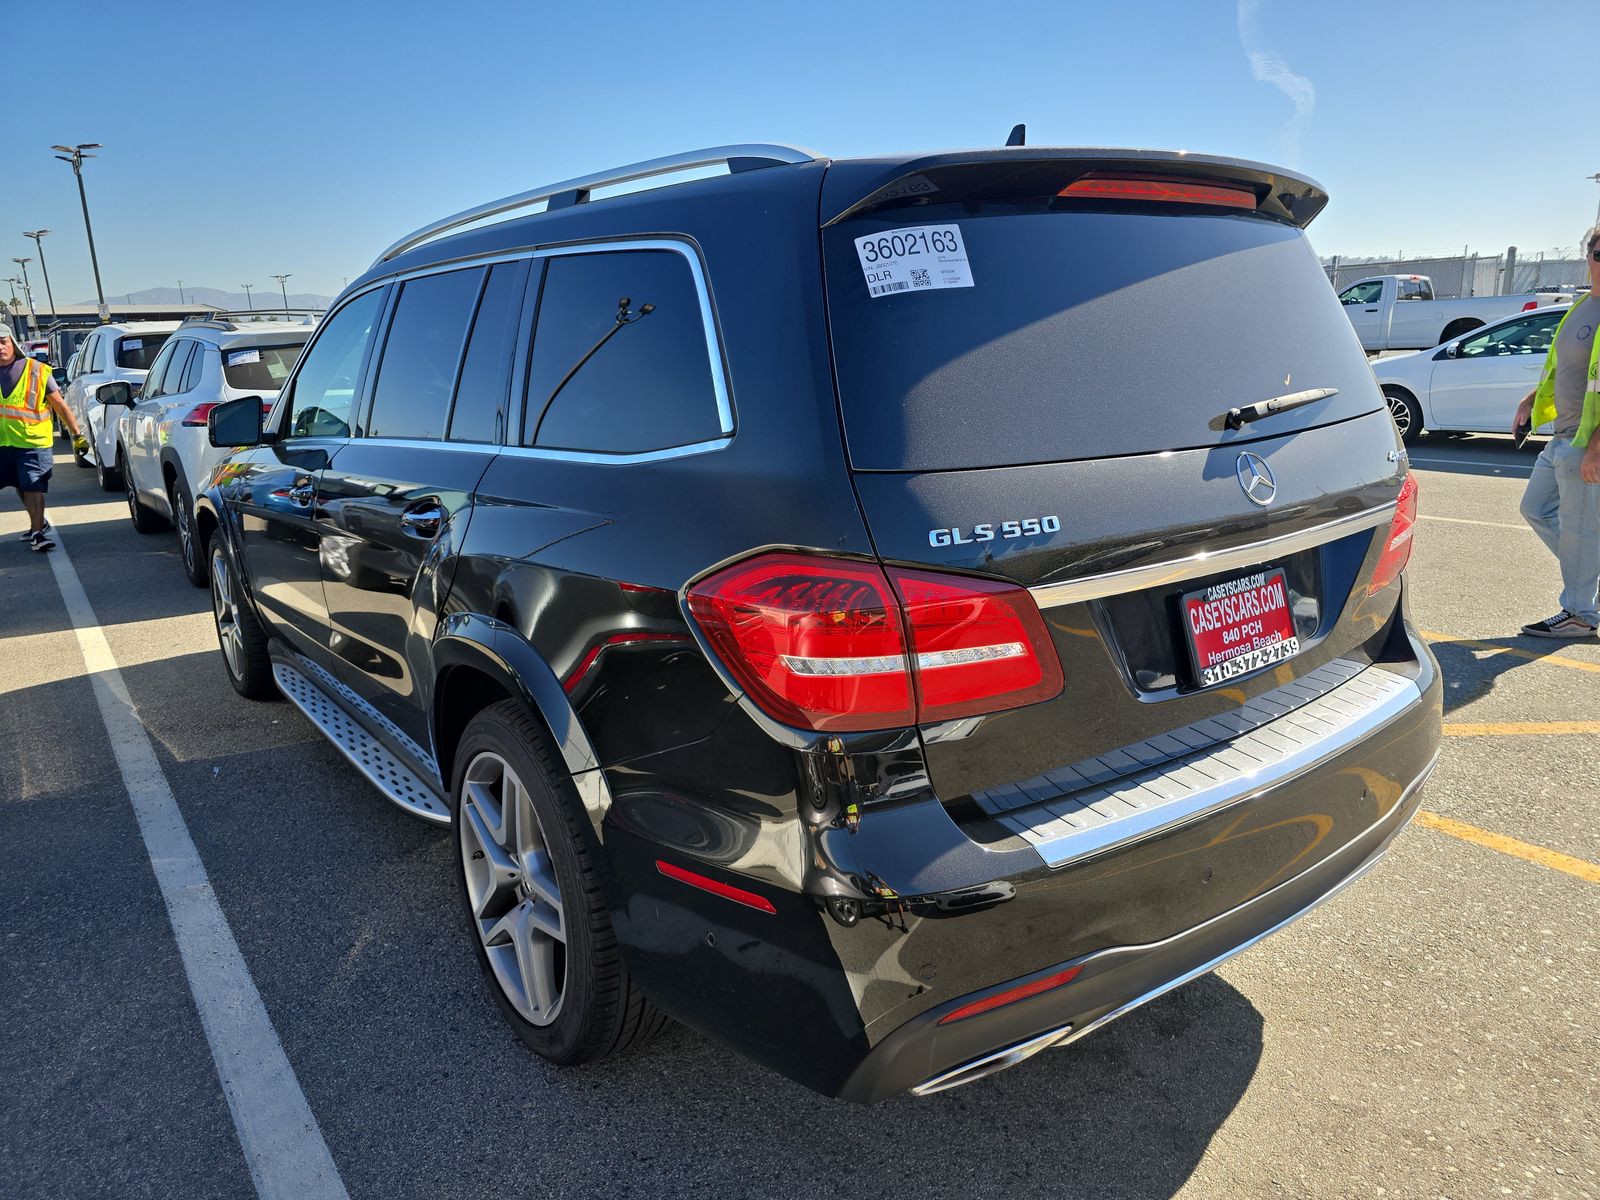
990	1064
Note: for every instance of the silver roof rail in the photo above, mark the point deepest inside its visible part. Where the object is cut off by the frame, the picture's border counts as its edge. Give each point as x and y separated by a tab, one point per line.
576	191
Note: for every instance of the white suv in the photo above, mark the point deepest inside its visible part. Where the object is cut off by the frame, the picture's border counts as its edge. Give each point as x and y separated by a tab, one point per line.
111	354
163	455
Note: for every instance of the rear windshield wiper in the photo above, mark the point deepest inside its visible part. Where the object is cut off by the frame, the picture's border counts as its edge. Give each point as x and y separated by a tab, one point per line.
1235	418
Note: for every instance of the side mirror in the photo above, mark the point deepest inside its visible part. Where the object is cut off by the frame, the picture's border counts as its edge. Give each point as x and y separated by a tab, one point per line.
119	392
236	423
1453	350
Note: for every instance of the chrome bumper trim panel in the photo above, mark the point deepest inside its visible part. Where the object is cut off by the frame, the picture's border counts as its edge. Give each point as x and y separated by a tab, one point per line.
1136	805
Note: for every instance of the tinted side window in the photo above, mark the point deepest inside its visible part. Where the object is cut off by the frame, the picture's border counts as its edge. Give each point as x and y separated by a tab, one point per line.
486	372
325	388
85	359
421	354
196	367
177	368
620	363
158	371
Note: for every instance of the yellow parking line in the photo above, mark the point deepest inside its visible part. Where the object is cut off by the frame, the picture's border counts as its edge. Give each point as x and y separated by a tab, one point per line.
1553	660
1508	845
1518	728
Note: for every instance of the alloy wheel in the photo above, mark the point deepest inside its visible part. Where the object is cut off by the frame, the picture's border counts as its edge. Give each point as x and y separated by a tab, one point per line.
132	495
1401	412
226	610
185	534
512	889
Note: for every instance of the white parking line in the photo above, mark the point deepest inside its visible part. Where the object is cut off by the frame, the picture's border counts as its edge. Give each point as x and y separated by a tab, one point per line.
283	1146
1485	524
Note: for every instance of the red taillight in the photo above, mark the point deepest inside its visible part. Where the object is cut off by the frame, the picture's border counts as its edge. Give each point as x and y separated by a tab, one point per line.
814	641
199	413
1397	547
822	643
980	645
1159	188
1011	995
1530	305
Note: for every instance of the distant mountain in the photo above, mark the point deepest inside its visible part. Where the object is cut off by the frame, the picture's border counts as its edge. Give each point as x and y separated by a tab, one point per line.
266	297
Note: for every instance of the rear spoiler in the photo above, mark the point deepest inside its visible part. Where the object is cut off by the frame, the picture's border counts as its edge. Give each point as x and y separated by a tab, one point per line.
859	186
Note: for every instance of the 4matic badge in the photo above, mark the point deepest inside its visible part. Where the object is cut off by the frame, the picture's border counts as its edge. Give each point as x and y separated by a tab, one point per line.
988	532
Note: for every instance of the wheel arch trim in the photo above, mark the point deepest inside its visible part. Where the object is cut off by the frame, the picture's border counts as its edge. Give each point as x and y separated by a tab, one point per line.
497	651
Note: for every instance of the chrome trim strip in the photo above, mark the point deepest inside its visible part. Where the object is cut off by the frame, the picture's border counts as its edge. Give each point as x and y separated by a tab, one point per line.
978	1068
1134	579
1126	810
673	163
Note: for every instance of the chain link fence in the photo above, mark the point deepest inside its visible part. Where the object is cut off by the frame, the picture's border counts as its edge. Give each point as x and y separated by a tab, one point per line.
1469	274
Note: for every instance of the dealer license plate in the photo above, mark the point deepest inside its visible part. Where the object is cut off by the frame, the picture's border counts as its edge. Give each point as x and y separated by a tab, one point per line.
1239	626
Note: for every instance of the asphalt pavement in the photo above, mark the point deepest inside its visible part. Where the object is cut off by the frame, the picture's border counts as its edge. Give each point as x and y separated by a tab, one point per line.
1429	1033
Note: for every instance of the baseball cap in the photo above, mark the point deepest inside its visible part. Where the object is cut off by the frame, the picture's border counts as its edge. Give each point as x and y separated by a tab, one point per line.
5	332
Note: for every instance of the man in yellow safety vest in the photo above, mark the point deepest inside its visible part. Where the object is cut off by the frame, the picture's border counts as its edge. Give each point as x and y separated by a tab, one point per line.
27	434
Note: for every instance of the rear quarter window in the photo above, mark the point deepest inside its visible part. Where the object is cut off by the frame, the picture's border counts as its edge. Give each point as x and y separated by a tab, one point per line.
621	362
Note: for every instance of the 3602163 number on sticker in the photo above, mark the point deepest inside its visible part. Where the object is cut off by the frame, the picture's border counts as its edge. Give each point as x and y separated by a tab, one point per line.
916	258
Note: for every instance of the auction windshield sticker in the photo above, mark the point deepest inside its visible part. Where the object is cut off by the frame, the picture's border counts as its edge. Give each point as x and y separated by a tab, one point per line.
921	258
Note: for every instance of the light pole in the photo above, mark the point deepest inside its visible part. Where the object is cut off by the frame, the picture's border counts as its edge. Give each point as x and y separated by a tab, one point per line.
1596	178
75	156
247	298
281	290
27	293
181	300
38	240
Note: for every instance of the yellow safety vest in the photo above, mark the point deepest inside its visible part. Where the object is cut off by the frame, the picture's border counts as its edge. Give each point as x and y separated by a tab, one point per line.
1544	396
25	418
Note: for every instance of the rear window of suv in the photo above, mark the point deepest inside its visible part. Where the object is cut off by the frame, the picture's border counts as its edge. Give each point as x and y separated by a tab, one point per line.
137	351
1085	333
259	368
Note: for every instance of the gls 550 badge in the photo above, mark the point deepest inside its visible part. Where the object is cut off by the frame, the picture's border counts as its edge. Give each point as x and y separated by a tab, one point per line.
1027	527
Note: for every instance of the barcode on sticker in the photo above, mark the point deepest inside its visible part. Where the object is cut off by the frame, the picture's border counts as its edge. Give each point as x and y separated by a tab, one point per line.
879	289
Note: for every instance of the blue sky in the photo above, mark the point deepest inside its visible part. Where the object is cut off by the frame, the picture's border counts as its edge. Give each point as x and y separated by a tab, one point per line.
243	141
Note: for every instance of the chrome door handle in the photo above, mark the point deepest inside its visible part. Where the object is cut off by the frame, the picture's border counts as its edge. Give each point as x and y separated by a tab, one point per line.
303	493
424	521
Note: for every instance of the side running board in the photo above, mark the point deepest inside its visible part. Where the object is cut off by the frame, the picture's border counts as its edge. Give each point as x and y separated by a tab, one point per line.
387	773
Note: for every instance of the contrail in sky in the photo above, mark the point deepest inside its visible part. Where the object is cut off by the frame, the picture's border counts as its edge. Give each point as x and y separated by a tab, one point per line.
1267	66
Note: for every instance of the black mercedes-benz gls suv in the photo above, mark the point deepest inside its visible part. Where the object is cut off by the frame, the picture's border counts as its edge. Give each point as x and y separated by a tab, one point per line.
893	615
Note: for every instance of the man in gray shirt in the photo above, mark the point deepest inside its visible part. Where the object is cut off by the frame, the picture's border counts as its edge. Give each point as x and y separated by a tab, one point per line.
1562	500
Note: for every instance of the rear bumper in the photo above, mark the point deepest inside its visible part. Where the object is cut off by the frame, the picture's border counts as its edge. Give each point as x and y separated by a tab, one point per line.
923	1056
847	999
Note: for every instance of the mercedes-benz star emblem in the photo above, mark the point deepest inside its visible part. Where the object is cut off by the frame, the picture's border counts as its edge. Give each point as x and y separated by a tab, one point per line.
1255	477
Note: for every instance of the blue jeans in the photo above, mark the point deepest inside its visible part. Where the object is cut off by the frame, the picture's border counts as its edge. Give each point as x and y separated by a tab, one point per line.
1565	512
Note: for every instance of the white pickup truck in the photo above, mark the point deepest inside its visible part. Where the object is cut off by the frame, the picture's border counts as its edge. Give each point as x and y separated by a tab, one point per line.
1398	312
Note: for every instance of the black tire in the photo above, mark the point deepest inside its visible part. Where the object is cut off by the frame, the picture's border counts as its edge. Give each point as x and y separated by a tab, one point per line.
109	478
139	513
1406	413
191	546
248	665
600	1011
